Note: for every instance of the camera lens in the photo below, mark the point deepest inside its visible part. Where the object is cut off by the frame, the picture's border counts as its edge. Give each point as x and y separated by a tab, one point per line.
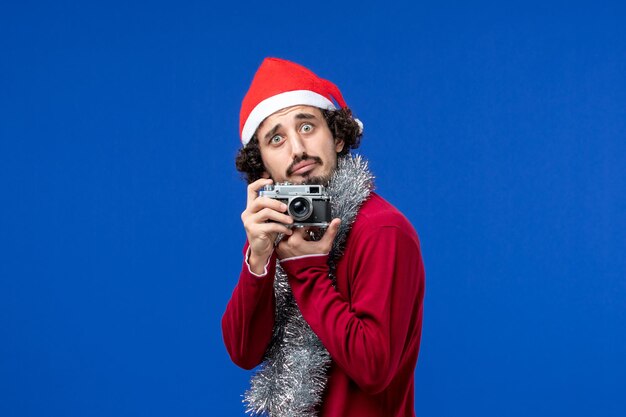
300	208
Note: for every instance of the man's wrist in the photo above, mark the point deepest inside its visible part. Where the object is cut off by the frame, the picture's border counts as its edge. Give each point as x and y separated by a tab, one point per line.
257	264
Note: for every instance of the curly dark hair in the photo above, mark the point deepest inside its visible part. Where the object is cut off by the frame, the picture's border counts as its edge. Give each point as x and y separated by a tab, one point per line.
341	124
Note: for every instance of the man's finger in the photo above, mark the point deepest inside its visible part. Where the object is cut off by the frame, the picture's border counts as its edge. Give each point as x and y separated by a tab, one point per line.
275	228
331	232
262	202
269	214
253	188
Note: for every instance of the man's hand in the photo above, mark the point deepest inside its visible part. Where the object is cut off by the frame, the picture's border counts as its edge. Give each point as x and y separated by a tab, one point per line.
262	233
298	245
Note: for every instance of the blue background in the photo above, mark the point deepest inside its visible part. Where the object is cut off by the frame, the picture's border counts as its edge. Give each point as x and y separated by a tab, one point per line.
498	129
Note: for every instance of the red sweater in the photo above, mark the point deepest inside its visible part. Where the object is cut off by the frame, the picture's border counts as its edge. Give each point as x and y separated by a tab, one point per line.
370	323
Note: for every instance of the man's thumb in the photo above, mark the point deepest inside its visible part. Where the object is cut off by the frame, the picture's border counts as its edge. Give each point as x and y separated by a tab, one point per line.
330	234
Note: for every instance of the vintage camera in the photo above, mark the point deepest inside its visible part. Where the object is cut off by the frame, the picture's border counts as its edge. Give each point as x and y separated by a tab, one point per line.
308	205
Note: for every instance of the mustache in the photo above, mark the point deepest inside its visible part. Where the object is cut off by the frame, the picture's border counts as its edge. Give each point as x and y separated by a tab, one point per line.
303	157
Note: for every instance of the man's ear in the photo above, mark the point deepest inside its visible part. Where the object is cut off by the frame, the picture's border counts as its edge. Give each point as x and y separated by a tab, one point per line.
339	143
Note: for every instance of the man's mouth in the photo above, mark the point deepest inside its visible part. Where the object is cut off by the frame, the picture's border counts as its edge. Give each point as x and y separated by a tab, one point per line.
303	167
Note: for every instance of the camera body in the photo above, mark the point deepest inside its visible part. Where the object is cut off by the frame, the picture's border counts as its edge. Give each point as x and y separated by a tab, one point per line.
308	205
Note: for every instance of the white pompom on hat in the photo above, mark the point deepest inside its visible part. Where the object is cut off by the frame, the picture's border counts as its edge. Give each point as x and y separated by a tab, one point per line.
279	84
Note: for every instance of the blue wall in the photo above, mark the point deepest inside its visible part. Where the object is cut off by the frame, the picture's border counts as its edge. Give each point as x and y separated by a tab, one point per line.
499	130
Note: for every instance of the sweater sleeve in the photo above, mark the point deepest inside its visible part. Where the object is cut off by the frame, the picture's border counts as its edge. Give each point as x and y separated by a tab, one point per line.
367	335
248	320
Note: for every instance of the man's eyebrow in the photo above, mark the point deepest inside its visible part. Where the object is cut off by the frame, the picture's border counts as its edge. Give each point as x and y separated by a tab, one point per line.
305	116
272	132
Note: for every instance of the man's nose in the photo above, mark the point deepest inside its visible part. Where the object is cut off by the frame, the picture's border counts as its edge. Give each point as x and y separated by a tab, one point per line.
297	144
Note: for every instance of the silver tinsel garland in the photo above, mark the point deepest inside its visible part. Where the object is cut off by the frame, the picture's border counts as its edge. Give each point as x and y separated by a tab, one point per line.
292	377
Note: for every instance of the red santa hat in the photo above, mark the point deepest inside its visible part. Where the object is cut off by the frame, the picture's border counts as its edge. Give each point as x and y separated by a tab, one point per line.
279	84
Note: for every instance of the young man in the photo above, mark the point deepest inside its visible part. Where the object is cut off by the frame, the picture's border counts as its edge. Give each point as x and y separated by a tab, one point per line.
335	321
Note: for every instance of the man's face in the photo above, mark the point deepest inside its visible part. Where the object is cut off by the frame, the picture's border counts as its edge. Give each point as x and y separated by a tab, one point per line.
297	146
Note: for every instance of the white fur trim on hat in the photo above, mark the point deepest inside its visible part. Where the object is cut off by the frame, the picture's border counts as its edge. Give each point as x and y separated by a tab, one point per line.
360	123
278	102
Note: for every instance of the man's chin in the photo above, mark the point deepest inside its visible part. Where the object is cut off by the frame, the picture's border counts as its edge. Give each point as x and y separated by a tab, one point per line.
317	180
322	178
305	179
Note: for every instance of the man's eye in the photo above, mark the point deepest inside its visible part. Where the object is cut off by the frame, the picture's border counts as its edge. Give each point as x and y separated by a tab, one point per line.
306	128
276	139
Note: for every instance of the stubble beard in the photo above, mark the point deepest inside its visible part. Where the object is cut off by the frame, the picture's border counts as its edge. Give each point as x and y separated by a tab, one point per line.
316	179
